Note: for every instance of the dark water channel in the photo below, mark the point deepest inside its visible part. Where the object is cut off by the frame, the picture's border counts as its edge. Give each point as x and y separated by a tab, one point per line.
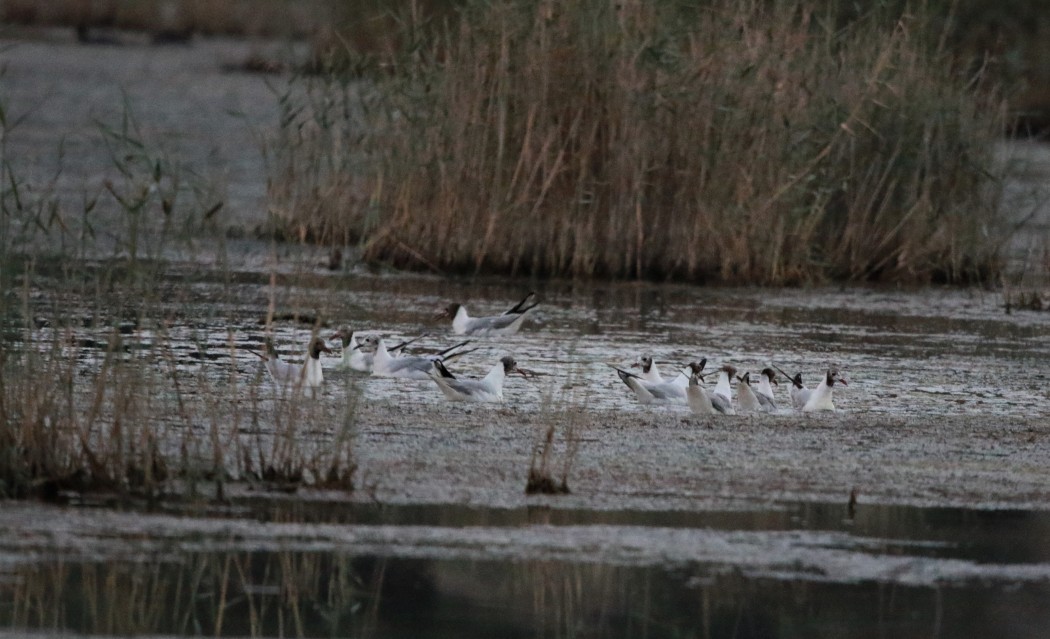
301	568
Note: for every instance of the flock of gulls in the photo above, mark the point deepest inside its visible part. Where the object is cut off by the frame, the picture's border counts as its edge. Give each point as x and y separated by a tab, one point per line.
369	353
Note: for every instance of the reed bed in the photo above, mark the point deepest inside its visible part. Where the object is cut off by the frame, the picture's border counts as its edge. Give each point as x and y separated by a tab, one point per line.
743	142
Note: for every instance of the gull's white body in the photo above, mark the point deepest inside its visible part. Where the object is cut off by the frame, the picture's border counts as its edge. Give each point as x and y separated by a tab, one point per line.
283	373
746	398
698	398
506	323
313	374
308	375
820	397
354	358
486	389
464	324
405	366
800	397
765	394
665	392
722	396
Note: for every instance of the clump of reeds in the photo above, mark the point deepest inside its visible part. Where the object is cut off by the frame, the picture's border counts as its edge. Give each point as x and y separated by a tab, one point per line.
761	142
1025	300
541	478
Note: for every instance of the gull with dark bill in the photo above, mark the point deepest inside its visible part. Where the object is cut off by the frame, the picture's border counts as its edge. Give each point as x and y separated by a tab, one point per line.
507	323
355	357
487	389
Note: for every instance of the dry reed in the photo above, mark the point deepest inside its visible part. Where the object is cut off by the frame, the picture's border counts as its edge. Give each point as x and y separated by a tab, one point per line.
745	142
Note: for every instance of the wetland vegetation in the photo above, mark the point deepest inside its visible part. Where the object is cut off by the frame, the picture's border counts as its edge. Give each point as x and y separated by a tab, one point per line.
179	492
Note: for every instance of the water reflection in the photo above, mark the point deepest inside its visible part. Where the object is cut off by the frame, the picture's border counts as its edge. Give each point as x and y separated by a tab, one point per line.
304	594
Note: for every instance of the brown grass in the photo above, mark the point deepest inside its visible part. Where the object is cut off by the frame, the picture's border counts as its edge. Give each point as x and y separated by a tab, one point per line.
746	142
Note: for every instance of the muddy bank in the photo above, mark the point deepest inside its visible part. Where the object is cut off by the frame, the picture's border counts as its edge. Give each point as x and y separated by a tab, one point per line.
667	459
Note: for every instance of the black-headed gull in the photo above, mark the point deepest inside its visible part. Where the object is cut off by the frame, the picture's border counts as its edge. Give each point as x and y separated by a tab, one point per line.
820	397
309	374
799	393
487	389
751	400
698	397
355	357
360	355
649	372
765	389
672	392
384	364
745	395
702	401
722	396
506	323
809	399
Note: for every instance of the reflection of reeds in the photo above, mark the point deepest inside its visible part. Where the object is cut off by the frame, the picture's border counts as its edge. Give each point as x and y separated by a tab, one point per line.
749	142
221	594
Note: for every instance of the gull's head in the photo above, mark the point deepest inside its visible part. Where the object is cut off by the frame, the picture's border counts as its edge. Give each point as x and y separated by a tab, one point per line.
449	312
745	379
835	376
771	375
317	346
696	368
343	334
271	350
509	365
645	362
729	370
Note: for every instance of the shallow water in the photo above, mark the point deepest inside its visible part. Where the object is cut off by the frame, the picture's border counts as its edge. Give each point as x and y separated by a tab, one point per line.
906	353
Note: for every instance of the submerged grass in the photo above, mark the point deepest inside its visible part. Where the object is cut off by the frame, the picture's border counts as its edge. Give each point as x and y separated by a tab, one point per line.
746	142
